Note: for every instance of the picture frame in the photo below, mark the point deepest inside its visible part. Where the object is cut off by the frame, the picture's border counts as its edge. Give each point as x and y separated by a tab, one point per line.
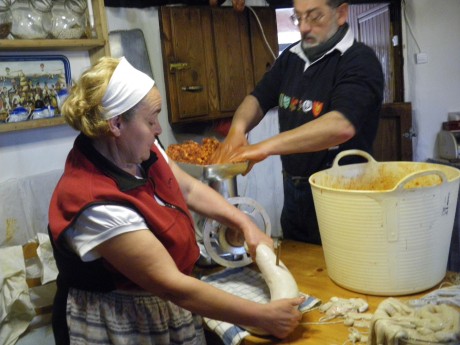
32	87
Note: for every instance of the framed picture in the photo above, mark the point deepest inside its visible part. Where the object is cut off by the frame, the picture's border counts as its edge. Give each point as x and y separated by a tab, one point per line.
32	87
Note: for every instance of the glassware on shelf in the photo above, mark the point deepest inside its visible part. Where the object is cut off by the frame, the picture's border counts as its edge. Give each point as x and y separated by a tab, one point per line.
31	19
6	18
69	19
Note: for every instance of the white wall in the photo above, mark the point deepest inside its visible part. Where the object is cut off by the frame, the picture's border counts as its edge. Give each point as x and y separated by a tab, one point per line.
434	87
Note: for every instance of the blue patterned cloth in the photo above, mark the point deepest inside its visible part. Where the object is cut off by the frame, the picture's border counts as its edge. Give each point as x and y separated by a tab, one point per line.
246	283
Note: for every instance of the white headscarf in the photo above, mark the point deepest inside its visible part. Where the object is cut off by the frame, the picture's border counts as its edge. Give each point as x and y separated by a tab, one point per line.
126	88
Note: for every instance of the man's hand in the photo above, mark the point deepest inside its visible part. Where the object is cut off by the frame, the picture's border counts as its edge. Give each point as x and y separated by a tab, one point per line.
252	153
226	149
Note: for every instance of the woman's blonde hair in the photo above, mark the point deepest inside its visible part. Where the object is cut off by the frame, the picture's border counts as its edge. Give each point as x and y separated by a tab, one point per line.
82	109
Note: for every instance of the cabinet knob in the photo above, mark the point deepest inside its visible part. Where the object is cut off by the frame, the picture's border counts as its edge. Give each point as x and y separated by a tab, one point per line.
178	66
194	88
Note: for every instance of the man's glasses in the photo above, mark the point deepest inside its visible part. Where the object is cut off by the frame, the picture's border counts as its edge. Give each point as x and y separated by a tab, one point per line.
313	17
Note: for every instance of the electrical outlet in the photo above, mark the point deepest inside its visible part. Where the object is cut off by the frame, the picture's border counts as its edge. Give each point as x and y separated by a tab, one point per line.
421	58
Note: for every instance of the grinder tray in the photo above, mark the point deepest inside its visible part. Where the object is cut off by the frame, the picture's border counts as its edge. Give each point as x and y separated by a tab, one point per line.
214	171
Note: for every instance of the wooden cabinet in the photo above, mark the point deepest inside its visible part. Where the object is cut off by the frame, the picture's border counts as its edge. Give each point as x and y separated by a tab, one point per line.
97	47
212	58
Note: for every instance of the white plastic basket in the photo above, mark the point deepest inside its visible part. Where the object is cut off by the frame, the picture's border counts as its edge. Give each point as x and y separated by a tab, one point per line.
385	226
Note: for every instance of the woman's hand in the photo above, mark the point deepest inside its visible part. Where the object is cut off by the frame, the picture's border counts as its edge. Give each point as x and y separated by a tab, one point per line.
281	317
253	236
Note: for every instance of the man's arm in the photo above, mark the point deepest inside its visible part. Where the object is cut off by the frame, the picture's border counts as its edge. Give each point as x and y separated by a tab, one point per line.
329	130
246	117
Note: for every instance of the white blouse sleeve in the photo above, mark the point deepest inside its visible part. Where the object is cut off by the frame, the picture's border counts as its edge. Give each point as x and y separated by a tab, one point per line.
98	224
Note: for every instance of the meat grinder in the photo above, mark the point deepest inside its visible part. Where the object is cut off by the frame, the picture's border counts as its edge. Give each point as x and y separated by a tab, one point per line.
219	244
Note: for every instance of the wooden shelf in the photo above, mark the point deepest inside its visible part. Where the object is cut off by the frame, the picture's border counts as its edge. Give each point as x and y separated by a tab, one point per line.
51	44
96	47
31	124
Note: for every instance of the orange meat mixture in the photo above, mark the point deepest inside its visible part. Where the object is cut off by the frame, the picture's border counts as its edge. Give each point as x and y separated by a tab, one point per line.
192	152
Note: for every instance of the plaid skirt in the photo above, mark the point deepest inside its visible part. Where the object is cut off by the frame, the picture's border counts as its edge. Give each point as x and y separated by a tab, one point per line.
126	318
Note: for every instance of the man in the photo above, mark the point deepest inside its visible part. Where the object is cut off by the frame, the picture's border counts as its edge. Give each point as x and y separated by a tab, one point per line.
328	89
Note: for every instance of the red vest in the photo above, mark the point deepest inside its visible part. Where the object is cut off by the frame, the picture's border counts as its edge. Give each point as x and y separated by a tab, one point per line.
89	179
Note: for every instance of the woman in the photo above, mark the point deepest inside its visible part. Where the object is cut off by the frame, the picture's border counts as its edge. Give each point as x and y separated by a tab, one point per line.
122	233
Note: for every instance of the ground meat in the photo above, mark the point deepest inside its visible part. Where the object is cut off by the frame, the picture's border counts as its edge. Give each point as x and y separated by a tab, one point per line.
193	152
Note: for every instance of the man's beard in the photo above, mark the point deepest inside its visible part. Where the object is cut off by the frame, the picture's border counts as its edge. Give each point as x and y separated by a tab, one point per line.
315	43
316	50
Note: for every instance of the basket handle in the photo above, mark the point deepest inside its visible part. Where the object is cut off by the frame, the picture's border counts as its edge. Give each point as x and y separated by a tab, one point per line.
346	153
406	179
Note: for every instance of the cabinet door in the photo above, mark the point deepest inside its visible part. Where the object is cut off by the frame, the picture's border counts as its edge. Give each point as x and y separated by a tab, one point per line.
233	57
212	57
184	36
263	55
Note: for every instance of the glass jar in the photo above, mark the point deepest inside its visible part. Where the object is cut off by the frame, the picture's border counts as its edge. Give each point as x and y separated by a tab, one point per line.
6	18
31	19
69	19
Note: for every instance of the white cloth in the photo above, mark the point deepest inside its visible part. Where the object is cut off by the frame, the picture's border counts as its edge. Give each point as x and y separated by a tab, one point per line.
126	88
49	269
24	207
16	309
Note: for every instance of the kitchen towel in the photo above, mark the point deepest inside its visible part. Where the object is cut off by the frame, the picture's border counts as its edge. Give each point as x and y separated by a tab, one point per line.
16	309
246	283
49	269
18	318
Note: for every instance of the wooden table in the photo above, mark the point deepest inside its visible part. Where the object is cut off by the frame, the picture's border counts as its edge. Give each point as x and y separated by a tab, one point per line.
307	265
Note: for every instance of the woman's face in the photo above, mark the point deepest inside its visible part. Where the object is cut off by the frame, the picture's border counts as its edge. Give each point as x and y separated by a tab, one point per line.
138	134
